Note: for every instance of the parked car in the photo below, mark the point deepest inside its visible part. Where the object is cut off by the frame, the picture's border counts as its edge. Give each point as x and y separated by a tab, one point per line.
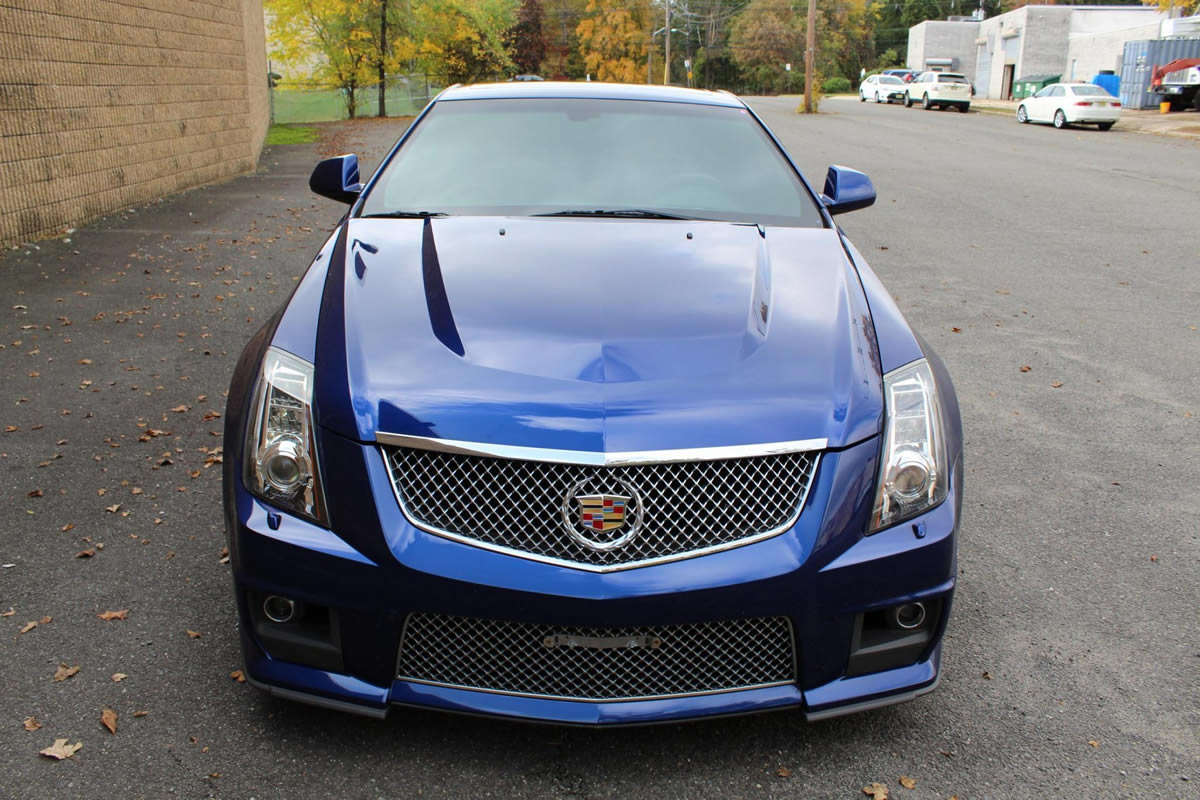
881	88
1063	104
905	75
649	444
939	90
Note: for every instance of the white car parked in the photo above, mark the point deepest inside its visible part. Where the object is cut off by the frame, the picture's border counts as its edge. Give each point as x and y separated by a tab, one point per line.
942	89
881	89
1066	104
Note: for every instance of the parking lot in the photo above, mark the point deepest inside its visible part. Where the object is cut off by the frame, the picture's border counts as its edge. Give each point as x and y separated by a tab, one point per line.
1054	271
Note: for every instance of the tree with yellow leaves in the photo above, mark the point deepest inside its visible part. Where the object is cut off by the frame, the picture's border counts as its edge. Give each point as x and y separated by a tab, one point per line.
330	39
463	40
614	38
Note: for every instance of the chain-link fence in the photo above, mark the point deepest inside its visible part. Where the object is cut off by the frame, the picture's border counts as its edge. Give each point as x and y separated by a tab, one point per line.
404	96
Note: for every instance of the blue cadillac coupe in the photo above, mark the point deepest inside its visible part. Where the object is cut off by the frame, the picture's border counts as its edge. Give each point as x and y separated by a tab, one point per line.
588	412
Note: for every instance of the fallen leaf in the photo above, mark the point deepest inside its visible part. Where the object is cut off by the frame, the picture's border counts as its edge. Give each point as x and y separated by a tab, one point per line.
907	782
1056	384
31	724
193	634
783	772
29	626
1026	368
136	490
114	508
1094	742
91	551
8	613
987	676
108	718
1154	558
876	791
63	672
181	408
211	415
140	713
35	493
60	749
1002	291
11	429
108	616
238	676
69	526
119	676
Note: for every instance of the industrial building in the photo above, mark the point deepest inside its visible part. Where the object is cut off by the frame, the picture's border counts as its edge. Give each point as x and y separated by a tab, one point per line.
1074	42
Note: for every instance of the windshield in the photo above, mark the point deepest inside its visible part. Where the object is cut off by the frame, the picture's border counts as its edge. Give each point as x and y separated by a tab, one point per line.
890	79
549	155
1090	91
951	79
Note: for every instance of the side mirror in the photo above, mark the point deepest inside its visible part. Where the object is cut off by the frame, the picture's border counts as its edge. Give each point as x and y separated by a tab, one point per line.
847	190
337	178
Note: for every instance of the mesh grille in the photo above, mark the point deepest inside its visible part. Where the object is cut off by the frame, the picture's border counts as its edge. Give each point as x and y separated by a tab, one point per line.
675	507
590	663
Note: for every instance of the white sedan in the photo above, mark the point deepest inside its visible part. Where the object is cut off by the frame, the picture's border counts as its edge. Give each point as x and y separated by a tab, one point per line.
1064	104
881	89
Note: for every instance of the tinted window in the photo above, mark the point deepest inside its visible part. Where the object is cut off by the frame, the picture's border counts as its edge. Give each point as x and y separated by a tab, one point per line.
1090	91
890	80
952	79
537	156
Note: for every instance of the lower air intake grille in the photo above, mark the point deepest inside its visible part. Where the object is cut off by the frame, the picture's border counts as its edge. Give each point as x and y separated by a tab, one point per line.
590	663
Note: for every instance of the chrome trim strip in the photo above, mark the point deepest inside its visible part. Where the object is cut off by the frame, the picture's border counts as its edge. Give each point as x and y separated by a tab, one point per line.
595	700
560	562
596	459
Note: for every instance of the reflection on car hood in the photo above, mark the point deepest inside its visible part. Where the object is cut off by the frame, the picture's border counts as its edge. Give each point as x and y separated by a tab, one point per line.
595	334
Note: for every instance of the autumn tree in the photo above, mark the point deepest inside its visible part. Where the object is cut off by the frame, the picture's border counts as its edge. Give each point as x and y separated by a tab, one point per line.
564	57
613	37
332	39
463	40
526	40
764	37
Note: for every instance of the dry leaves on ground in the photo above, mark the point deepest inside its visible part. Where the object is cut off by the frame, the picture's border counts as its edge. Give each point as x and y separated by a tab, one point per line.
907	782
108	718
32	724
783	772
876	791
60	749
238	676
1026	368
117	677
108	616
193	634
63	672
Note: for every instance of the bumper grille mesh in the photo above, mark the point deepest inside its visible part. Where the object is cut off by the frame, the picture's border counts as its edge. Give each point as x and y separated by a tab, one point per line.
592	663
680	506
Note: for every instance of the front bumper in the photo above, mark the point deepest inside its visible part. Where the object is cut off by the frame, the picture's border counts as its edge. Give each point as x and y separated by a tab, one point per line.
377	569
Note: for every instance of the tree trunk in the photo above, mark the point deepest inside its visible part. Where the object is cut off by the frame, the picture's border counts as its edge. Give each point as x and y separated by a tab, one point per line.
383	46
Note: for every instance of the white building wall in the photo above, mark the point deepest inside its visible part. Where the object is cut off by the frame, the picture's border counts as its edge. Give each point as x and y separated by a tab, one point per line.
1088	53
943	39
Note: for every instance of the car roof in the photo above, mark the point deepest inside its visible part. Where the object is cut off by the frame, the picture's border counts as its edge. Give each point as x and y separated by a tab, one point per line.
588	89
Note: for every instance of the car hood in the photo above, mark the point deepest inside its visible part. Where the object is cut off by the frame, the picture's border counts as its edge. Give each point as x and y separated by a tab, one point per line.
595	334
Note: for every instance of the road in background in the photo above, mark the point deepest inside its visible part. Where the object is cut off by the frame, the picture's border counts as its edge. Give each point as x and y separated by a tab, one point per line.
1073	652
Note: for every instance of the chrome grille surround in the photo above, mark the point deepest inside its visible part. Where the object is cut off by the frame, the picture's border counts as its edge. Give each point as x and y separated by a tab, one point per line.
539	660
513	500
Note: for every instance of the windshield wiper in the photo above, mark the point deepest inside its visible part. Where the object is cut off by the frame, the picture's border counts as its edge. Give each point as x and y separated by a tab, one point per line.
405	214
631	213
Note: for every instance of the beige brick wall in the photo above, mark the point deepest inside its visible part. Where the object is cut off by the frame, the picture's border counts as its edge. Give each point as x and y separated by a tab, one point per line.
105	104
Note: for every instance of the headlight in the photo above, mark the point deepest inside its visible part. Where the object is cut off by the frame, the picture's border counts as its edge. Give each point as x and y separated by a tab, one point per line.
281	455
914	474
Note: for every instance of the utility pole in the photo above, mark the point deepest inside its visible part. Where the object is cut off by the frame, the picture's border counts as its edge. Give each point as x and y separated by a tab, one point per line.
667	57
809	59
383	46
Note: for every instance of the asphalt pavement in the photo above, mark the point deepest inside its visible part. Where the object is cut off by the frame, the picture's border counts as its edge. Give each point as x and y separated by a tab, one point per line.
1054	271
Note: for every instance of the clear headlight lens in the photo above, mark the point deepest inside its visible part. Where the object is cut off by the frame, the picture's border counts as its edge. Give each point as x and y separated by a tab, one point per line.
913	476
281	455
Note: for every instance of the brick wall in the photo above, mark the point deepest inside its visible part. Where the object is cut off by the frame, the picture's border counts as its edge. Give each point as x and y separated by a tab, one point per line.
105	104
